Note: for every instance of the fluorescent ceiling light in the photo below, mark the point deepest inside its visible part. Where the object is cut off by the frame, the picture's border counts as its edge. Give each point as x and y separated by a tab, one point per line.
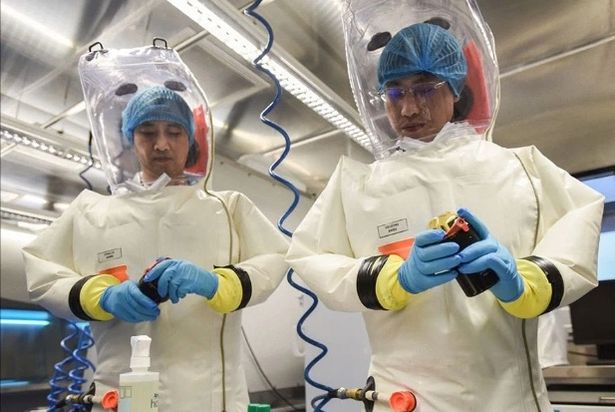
15	215
19	317
36	26
224	32
8	196
60	206
24	314
23	322
37	200
11	383
12	136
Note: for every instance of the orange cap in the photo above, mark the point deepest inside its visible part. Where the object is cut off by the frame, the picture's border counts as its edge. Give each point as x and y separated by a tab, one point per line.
109	399
120	272
400	248
403	401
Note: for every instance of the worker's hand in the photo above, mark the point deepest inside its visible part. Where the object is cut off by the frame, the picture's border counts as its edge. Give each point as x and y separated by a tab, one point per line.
430	264
488	253
126	302
177	278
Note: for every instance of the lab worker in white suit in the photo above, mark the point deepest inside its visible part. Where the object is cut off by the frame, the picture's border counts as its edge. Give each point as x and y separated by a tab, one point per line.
209	254
424	75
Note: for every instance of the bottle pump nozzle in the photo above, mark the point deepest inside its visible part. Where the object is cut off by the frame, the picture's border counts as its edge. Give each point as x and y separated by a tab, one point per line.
139	359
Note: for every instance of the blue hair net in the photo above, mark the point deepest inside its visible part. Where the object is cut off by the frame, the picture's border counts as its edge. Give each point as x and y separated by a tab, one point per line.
156	103
421	48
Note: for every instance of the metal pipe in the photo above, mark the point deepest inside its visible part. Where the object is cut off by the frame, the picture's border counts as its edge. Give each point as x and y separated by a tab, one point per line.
190	41
74	109
308	139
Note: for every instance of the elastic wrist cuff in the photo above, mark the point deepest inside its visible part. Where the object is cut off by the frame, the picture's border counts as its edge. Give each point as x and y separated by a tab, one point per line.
536	292
554	278
84	297
234	289
389	291
366	281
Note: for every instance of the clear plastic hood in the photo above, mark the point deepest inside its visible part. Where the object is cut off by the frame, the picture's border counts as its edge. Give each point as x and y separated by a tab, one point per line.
389	43
111	78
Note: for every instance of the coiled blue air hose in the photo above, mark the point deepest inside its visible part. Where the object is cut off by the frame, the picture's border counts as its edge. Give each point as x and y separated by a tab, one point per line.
85	341
250	11
68	374
60	374
79	355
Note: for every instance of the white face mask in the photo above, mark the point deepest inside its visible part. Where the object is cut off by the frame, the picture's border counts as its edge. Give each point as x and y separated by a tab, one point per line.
449	131
409	144
138	186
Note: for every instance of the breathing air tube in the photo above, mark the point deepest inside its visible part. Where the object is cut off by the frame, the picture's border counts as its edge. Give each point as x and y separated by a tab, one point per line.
79	355
90	165
319	401
64	380
68	374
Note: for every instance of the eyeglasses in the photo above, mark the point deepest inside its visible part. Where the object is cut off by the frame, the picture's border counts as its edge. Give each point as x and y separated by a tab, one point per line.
394	94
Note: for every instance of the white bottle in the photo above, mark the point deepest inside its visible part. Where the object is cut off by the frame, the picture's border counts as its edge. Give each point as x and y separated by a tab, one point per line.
139	388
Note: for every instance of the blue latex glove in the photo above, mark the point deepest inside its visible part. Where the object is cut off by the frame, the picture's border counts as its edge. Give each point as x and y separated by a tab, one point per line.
430	264
177	278
488	253
126	302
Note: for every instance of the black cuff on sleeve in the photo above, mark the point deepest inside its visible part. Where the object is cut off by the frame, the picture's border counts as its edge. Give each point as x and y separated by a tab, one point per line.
366	281
554	278
74	301
246	285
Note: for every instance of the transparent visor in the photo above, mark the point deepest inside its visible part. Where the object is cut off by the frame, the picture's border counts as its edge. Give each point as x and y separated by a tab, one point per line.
416	65
150	119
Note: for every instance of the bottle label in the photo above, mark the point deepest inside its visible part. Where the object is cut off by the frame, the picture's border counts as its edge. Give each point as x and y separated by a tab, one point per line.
141	397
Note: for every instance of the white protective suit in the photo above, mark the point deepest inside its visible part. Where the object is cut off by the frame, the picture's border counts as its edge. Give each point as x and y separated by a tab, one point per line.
553	338
453	352
182	222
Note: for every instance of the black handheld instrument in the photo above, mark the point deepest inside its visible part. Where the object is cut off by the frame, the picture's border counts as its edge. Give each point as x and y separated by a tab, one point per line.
458	230
150	289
